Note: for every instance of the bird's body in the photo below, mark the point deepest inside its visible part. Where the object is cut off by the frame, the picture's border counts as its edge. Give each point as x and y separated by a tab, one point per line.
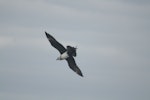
63	56
67	54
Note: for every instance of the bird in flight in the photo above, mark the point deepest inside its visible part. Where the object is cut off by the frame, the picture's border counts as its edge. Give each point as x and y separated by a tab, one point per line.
67	53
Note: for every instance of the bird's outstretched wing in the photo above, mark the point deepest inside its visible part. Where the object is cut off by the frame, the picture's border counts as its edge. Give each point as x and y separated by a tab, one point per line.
73	66
55	43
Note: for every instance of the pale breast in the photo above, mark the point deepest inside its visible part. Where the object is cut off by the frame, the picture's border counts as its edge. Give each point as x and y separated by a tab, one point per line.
64	56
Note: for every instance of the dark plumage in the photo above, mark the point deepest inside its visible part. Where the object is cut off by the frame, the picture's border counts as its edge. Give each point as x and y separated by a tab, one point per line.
69	51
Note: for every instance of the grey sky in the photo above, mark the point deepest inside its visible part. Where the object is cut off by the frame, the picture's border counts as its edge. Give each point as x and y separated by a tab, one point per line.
113	49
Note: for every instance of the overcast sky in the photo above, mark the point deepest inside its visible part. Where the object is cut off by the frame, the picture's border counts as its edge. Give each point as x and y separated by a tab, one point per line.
113	40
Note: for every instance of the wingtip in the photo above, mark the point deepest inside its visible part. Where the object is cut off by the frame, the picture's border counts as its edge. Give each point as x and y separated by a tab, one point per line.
80	74
46	33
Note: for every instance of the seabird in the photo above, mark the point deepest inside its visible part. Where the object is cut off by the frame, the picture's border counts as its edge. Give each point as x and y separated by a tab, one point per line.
67	54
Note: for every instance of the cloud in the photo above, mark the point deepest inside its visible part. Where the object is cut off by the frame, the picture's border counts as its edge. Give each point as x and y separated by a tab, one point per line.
113	49
93	16
6	41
